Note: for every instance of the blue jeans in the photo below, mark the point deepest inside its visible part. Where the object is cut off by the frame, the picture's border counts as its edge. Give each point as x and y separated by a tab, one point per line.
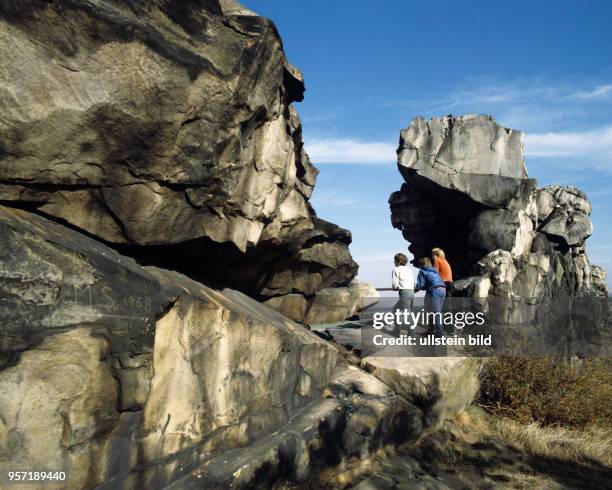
437	299
405	302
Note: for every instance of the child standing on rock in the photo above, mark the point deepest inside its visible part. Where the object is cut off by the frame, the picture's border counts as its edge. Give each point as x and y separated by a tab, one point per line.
403	282
443	267
430	281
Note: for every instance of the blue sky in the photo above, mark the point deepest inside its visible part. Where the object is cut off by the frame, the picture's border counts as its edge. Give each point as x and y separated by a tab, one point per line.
543	67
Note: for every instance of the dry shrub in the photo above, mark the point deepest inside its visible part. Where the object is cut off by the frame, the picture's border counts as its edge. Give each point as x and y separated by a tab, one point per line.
549	391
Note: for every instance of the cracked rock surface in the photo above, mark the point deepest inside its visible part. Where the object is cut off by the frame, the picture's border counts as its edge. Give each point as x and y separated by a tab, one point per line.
166	129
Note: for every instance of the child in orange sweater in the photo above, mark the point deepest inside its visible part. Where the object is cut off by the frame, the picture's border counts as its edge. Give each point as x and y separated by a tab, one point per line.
443	267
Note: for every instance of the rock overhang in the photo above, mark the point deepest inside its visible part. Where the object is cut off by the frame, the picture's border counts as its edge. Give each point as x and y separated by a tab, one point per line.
466	189
169	133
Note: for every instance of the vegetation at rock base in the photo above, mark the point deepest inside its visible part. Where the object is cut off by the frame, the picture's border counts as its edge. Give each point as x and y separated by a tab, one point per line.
549	391
585	446
502	453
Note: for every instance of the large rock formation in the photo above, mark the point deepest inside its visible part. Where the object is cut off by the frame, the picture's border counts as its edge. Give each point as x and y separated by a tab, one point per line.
515	247
142	140
166	129
142	134
132	377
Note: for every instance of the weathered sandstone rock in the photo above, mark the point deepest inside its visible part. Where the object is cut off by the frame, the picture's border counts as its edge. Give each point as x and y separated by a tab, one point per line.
455	168
361	417
139	377
519	252
441	386
500	229
58	405
470	155
86	332
330	305
336	304
563	214
166	129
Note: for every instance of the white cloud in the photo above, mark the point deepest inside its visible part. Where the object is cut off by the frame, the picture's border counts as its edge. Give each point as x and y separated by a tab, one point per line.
533	104
329	199
602	91
547	112
350	150
596	144
522	91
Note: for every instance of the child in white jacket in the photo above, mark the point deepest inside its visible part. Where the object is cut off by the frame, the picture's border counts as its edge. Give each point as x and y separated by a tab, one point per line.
403	282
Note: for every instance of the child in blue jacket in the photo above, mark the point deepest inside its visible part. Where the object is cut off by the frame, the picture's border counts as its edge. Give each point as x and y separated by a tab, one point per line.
430	281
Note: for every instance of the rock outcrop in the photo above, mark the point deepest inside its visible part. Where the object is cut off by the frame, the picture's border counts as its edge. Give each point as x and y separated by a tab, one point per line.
126	376
454	169
519	249
167	130
139	141
329	305
90	339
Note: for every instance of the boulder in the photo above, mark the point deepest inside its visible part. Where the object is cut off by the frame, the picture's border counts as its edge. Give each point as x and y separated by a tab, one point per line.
467	157
360	418
456	168
598	280
365	294
563	214
58	406
168	131
328	305
335	304
500	229
517	252
139	377
441	386
331	305
291	305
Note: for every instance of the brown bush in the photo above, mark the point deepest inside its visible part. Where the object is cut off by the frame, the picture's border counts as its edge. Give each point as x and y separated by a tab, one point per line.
549	391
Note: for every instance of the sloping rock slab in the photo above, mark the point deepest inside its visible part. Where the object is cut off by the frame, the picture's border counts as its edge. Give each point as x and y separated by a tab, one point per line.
205	371
354	423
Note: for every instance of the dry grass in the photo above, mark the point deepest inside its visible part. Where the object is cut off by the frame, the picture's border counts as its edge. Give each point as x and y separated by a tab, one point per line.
549	391
582	446
551	407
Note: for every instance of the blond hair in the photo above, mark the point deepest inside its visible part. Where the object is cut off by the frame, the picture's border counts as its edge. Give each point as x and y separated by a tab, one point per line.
400	259
438	251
